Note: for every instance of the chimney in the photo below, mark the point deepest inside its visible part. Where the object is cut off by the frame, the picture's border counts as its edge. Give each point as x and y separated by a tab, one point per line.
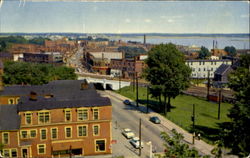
144	41
84	85
33	96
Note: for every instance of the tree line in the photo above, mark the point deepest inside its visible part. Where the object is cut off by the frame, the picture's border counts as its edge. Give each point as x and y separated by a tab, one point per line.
35	74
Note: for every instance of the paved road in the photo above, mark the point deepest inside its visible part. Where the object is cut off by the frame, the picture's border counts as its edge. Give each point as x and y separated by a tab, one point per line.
125	116
151	133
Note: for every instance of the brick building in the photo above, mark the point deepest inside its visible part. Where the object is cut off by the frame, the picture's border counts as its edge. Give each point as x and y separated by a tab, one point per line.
47	57
128	67
61	118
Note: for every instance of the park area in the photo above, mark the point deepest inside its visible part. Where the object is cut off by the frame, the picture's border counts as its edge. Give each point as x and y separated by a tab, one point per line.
206	113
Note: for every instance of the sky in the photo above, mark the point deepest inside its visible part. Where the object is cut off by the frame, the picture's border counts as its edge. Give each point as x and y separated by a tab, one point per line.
125	16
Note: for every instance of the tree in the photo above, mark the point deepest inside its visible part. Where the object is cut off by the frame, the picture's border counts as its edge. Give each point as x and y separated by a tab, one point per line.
176	148
204	53
237	133
3	45
167	72
35	74
230	50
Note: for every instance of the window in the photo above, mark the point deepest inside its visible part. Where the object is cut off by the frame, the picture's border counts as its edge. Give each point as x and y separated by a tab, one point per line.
67	115
13	153
33	133
68	132
211	63
28	118
11	101
43	133
82	114
5	138
215	63
200	63
24	134
100	145
199	69
203	62
212	69
6	152
204	69
96	130
95	114
41	148
82	131
54	133
44	117
191	63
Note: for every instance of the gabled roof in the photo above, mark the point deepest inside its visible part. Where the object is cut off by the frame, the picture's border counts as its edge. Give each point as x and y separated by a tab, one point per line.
9	119
222	69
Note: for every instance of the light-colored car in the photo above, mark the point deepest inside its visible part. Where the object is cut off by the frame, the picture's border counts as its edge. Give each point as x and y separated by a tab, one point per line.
128	133
136	143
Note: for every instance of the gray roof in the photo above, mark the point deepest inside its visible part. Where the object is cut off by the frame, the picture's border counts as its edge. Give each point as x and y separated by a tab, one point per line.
9	119
222	69
66	94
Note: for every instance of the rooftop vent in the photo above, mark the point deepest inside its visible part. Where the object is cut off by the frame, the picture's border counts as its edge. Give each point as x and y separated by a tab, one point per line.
84	85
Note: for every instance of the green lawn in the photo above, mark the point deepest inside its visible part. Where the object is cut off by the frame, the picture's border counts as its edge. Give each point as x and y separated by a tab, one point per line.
206	112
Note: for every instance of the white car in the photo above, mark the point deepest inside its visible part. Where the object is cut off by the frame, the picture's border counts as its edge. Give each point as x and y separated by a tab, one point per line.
128	133
136	143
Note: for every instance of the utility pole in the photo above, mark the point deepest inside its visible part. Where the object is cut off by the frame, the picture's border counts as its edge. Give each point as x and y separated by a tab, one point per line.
147	98
208	83
134	82
136	90
140	137
219	104
193	119
119	82
70	150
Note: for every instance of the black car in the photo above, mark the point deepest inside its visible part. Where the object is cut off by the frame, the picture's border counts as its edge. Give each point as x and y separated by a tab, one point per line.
155	119
126	102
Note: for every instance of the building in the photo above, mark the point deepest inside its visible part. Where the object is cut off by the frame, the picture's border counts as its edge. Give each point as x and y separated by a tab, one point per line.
128	67
201	68
61	118
6	56
221	74
47	57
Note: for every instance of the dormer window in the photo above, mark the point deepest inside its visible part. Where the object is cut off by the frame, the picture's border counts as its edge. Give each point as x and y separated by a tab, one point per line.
44	117
28	118
67	115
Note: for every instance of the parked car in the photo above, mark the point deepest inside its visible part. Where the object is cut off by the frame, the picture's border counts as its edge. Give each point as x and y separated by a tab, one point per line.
126	102
136	142
155	119
128	133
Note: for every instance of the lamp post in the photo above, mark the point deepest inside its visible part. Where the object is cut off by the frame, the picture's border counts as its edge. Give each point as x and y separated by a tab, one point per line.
147	97
208	82
219	103
193	120
137	104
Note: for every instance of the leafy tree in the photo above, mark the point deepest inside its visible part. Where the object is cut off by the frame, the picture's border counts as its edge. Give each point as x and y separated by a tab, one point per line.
245	61
167	72
237	133
230	50
38	40
204	53
3	45
217	151
176	148
35	74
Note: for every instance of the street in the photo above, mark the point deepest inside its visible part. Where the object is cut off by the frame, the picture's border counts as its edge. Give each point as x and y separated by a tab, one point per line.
125	116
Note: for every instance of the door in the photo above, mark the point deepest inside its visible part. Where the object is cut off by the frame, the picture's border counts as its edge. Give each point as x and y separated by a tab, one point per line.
25	153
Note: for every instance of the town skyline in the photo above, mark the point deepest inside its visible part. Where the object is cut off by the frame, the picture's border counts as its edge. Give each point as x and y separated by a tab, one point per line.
125	17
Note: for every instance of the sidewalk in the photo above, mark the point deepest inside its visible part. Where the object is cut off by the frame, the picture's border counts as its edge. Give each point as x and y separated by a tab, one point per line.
200	145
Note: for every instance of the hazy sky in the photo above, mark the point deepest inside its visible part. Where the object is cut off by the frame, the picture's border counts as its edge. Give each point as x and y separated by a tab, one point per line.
125	17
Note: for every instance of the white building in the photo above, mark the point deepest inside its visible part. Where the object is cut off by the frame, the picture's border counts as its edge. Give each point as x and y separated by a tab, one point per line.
200	68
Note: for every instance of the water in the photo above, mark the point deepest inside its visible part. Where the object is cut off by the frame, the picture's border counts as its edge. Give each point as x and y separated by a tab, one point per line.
222	42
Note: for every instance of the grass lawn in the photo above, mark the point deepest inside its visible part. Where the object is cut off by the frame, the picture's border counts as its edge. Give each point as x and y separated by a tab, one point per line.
206	113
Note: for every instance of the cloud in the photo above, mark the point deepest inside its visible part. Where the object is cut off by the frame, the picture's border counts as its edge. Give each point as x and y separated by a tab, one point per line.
170	20
127	20
245	15
147	20
172	17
